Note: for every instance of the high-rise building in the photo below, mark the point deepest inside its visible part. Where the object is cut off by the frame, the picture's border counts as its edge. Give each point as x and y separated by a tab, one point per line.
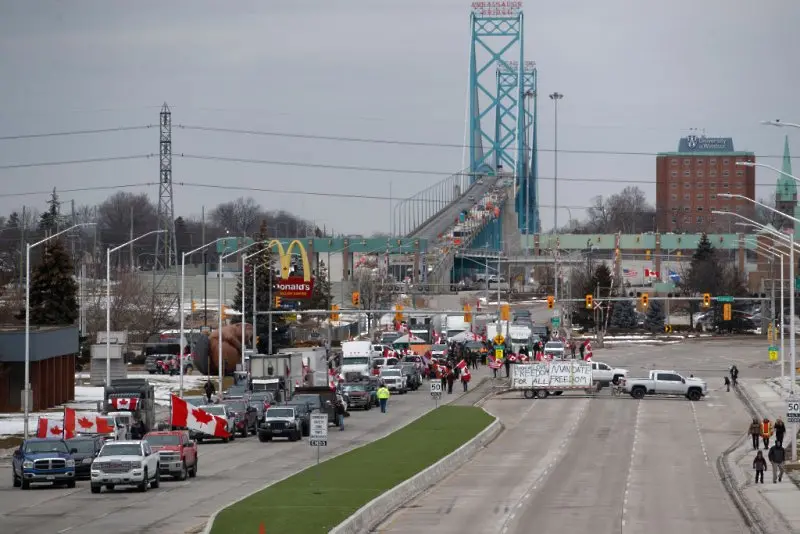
786	195
689	181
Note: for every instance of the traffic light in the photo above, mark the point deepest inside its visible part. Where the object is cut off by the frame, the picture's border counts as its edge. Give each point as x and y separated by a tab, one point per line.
194	306
647	254
589	304
277	301
467	313
550	302
726	312
505	312
706	299
224	313
356	298
335	312
645	299
398	313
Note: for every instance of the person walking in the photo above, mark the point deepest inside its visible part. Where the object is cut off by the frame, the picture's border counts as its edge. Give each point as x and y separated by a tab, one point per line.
340	411
465	378
727	384
572	349
777	455
755	432
383	397
451	377
760	465
209	389
780	431
582	349
766	431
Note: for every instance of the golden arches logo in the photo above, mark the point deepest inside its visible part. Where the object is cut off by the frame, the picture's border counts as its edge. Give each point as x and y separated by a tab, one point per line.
285	258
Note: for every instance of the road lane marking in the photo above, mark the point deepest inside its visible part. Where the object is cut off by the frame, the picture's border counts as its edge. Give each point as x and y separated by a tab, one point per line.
624	514
699	433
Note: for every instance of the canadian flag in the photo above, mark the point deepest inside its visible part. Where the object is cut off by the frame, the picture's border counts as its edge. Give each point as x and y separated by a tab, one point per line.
85	423
466	376
587	354
462	364
512	358
125	403
187	416
494	364
50	428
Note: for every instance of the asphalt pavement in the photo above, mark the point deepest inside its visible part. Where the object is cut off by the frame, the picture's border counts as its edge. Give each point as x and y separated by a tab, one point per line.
605	464
226	472
435	226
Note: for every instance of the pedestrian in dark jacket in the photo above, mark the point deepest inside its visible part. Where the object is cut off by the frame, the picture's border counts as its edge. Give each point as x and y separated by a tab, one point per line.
780	431
507	363
760	465
209	389
777	455
727	384
451	376
755	433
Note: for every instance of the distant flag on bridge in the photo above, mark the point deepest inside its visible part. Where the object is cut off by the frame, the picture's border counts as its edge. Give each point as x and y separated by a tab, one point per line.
630	272
674	277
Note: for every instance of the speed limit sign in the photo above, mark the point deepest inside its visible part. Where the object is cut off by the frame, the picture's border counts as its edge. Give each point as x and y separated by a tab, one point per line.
436	389
793	411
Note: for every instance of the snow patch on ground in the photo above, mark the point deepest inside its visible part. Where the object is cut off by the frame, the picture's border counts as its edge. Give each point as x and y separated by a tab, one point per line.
86	398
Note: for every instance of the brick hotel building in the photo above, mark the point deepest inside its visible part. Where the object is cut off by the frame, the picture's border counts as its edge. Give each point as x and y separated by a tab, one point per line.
688	183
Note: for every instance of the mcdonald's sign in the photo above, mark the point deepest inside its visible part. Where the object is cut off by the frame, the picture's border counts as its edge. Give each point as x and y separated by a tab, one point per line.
293	287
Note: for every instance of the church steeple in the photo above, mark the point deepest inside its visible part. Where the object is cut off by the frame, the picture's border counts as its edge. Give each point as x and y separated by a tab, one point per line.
787	187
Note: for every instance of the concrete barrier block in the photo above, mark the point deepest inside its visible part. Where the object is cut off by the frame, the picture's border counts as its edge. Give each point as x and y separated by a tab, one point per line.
371	514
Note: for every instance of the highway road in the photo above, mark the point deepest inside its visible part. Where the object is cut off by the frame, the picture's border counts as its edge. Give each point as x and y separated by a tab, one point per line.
444	220
226	473
606	464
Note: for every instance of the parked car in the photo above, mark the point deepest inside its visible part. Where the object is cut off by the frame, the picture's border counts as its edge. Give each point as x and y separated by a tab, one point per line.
222	411
394	379
126	463
43	460
283	422
85	448
178	453
413	375
245	417
361	395
303	410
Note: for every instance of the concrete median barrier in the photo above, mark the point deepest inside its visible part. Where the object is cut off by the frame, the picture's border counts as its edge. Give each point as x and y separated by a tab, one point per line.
375	511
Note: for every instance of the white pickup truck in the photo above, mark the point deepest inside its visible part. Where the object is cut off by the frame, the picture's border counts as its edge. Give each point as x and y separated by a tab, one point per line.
605	374
125	463
666	383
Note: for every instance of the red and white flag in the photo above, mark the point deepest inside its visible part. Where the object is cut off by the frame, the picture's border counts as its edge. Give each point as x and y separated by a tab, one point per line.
512	358
85	423
50	428
462	364
125	403
494	364
187	416
587	353
466	376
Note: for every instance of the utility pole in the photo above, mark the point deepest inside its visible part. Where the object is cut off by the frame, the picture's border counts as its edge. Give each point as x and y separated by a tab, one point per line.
555	97
22	225
205	265
130	247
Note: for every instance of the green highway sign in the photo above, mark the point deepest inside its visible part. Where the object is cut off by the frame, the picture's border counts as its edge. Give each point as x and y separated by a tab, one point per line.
556	321
724	299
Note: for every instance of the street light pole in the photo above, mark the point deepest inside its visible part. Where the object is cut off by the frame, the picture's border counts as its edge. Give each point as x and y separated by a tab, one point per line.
555	97
27	385
180	304
222	258
109	250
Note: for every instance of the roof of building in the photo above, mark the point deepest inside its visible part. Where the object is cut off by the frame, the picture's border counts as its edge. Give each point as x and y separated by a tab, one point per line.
787	188
693	145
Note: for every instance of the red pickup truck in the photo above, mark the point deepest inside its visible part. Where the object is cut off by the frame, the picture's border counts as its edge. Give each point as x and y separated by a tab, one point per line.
177	452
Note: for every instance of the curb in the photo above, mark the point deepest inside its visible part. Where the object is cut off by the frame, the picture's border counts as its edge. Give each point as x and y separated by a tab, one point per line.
209	523
371	514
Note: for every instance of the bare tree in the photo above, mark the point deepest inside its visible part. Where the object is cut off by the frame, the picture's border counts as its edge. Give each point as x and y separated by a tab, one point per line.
627	212
375	289
239	216
765	216
123	209
599	216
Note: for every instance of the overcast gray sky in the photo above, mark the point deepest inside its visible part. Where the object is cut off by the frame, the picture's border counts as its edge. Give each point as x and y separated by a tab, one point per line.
635	75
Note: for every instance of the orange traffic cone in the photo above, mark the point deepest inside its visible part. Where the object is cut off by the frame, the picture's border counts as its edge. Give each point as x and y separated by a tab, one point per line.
262	529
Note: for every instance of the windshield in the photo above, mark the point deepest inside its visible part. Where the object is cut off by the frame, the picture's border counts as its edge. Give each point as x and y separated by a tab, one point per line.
353	360
423	335
280	412
162	348
163	439
214	410
237	406
300	407
389	338
309	397
392	361
121	449
390	372
453	333
554	345
54	445
438	348
357	387
519	339
84	446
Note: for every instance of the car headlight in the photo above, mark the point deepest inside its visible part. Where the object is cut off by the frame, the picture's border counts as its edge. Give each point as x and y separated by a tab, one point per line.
86	461
27	464
70	463
136	465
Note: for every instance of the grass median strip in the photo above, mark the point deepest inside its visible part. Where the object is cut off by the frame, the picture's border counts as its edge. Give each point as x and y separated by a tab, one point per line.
319	498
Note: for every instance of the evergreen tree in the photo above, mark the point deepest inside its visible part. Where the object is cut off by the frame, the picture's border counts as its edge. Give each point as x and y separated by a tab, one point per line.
601	278
13	220
53	289
265	278
654	321
624	315
705	273
51	219
320	297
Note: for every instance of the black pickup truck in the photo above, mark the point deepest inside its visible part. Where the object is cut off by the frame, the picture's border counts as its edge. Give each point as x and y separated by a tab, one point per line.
321	399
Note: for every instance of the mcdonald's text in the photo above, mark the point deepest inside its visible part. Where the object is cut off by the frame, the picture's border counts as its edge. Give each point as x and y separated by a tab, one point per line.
295	287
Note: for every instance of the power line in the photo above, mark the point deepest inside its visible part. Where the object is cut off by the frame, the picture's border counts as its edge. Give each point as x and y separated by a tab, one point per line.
73	132
399	142
388	170
74	161
76	190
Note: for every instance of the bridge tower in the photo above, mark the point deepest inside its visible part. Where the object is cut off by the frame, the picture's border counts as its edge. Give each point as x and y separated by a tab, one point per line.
522	141
166	251
496	37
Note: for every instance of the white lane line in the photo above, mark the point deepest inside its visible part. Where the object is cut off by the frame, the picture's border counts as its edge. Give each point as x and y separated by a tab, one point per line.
630	464
699	433
64	530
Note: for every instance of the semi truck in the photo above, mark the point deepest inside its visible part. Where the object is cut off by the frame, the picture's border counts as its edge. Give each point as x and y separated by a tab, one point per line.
136	393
